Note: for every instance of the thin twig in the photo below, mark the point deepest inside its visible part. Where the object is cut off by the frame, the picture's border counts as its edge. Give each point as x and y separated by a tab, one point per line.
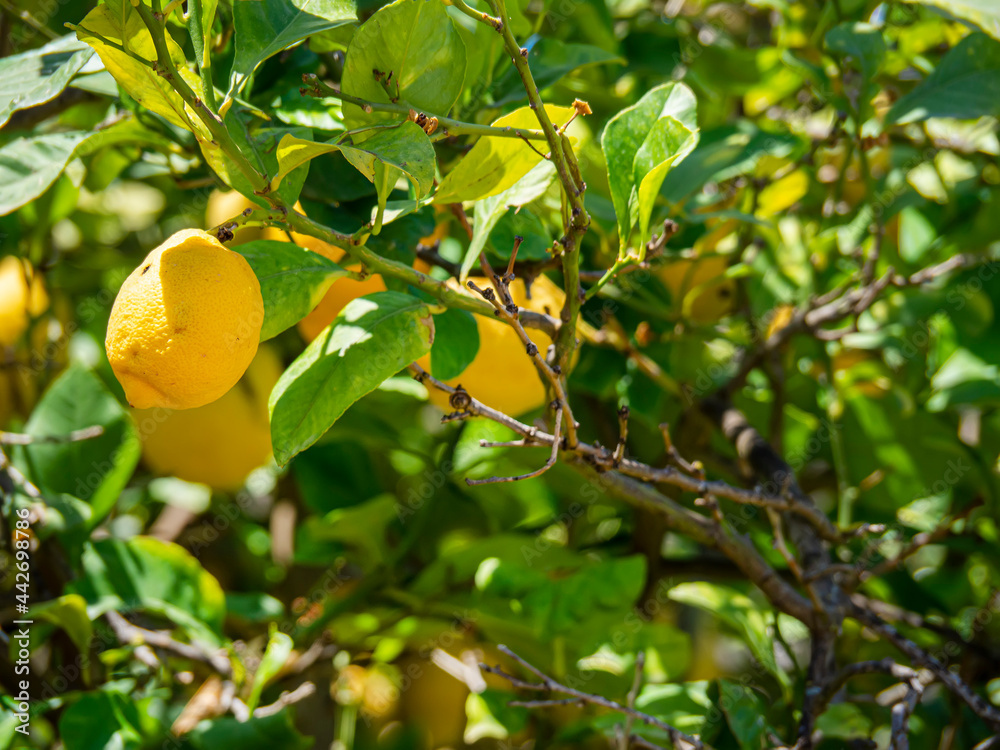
17	438
678	738
530	475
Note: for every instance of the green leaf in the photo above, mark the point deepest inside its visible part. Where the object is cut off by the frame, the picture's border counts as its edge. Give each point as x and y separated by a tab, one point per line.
916	234
279	648
38	76
984	13
100	720
417	43
292	280
201	16
456	343
265	27
373	338
641	144
122	24
263	733
496	164
844	721
964	85
488	211
145	573
29	166
253	607
405	149
94	470
69	613
361	527
745	714
863	44
550	60
739	612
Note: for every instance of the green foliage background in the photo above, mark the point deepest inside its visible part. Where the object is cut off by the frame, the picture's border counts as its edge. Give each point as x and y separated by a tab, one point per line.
817	146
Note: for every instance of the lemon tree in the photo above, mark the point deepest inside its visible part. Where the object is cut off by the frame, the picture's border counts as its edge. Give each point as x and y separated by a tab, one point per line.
474	373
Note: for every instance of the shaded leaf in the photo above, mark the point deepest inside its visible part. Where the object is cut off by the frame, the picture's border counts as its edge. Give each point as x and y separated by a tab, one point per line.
29	166
94	470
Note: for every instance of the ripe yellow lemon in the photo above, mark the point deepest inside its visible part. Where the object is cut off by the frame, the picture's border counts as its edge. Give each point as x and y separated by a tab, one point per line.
502	375
22	296
186	324
220	443
703	280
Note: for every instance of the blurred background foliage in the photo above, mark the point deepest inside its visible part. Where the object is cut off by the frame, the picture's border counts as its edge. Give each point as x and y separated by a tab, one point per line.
368	567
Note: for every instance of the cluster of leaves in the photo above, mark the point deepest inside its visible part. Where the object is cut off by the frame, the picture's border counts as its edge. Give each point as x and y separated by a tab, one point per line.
807	146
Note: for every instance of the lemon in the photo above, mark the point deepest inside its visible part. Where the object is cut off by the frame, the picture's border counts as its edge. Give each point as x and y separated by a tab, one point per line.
220	443
186	323
22	296
699	287
502	375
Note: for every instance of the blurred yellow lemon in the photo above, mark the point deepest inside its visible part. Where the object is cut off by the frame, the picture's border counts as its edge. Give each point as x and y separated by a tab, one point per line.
22	296
186	323
502	375
220	443
699	288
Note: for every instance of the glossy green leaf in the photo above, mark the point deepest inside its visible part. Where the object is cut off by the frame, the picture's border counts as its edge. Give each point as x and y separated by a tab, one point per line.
495	164
99	720
964	85
94	470
144	573
373	338
266	27
292	280
417	43
279	648
984	13
550	60
29	166
641	144
488	211
35	77
456	343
